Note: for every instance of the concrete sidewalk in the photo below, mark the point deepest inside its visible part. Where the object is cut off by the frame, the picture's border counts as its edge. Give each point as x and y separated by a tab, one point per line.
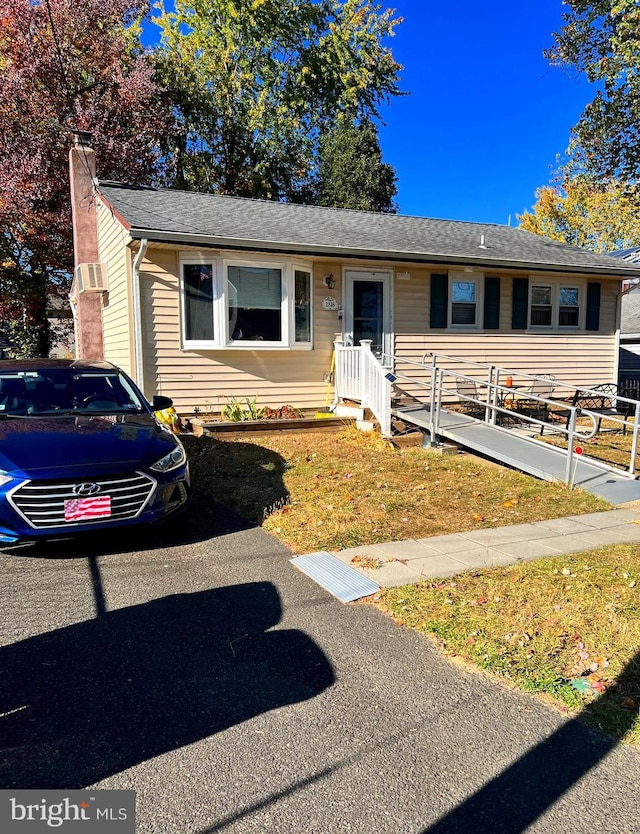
404	562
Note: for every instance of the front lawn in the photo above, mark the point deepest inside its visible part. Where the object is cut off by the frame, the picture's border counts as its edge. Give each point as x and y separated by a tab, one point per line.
326	491
567	627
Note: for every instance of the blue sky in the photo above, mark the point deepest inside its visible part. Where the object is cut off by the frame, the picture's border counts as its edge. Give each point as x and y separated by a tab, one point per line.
486	114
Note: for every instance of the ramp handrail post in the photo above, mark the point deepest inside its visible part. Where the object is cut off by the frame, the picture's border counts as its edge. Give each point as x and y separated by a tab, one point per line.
634	442
432	398
490	412
435	422
570	470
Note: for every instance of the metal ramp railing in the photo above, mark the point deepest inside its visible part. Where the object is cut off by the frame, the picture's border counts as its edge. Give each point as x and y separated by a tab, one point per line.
437	382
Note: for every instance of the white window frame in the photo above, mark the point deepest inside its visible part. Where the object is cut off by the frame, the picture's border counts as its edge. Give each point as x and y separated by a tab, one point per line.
220	261
191	259
285	294
300	266
466	278
556	285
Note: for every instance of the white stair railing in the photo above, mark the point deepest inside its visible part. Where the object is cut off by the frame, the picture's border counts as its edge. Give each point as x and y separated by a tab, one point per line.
348	384
376	388
360	377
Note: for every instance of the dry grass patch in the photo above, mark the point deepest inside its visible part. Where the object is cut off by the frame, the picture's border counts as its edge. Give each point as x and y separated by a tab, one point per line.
568	627
319	491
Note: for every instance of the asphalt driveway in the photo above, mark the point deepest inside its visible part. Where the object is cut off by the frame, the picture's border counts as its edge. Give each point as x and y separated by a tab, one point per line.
233	694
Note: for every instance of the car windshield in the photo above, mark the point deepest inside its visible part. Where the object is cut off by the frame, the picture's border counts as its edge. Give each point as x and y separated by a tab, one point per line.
66	391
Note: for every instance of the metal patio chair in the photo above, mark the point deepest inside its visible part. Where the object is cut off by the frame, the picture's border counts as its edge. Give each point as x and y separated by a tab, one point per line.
542	386
468	391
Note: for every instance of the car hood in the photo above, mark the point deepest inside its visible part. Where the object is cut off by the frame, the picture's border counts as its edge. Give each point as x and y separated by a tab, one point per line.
60	447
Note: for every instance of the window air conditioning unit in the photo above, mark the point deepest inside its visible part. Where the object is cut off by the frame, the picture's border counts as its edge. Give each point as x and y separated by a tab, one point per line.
92	277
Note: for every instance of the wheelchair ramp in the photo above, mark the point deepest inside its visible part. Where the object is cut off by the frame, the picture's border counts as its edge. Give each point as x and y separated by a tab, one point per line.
526	454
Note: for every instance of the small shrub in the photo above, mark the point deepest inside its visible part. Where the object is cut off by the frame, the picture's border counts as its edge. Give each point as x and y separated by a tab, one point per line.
239	410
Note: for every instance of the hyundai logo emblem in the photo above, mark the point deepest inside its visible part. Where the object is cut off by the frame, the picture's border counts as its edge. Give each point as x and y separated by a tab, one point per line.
86	489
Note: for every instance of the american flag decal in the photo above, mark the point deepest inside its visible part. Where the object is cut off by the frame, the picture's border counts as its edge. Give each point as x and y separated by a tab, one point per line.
85	509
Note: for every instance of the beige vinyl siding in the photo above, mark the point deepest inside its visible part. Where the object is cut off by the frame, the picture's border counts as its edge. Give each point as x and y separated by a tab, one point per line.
581	358
209	378
116	308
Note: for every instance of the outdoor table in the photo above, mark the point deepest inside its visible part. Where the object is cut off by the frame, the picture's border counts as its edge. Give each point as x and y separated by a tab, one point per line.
503	398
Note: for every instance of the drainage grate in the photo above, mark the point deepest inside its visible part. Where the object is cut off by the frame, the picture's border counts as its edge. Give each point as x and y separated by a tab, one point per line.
345	583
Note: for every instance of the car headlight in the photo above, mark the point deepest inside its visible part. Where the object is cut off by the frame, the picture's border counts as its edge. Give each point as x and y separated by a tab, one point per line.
4	478
171	461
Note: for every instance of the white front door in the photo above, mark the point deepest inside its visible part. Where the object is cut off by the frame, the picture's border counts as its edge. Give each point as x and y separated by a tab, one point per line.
367	310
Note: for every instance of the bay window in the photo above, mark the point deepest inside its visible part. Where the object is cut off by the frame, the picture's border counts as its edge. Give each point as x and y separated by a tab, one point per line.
229	302
254	301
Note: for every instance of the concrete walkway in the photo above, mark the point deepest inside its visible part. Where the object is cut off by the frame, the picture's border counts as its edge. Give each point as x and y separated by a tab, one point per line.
404	562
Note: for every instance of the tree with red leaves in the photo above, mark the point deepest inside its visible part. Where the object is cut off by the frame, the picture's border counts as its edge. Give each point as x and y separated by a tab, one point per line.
66	65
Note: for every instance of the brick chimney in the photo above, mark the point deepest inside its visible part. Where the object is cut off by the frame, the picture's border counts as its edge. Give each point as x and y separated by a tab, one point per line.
82	170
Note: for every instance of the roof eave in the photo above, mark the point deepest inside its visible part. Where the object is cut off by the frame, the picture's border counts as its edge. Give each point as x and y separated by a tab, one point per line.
484	260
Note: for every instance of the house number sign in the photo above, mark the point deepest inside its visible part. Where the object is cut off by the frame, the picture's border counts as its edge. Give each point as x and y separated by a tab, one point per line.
329	303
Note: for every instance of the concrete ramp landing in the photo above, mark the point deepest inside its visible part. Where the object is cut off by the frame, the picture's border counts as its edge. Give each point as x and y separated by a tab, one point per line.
526	454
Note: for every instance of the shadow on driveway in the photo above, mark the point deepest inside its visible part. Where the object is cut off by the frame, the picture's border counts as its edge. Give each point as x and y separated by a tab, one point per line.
92	699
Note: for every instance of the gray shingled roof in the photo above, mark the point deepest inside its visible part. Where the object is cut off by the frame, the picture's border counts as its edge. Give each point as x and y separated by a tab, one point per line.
183	217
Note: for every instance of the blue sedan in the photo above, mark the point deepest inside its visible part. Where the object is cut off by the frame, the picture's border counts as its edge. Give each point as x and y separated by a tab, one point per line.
81	449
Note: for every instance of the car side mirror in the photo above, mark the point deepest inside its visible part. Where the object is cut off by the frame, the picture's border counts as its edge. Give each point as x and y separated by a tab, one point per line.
160	403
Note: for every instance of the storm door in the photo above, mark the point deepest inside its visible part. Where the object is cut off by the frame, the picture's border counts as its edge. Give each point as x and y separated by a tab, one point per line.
367	310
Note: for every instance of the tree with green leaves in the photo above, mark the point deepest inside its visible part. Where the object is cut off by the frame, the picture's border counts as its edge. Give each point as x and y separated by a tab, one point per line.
351	173
65	66
600	38
578	210
256	83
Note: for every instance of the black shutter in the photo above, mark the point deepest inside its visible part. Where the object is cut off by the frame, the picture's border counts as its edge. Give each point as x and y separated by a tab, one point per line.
593	306
520	303
439	300
491	302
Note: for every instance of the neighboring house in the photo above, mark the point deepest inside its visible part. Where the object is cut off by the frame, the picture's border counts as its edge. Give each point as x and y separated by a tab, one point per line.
205	297
60	320
629	357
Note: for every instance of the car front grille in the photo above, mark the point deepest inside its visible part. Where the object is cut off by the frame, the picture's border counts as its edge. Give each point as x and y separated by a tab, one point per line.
42	503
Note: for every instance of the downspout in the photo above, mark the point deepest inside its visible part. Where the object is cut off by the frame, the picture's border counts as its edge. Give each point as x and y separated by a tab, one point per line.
137	313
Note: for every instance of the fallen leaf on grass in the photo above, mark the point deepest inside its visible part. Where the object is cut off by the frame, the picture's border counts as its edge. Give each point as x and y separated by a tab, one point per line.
477	517
629	703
